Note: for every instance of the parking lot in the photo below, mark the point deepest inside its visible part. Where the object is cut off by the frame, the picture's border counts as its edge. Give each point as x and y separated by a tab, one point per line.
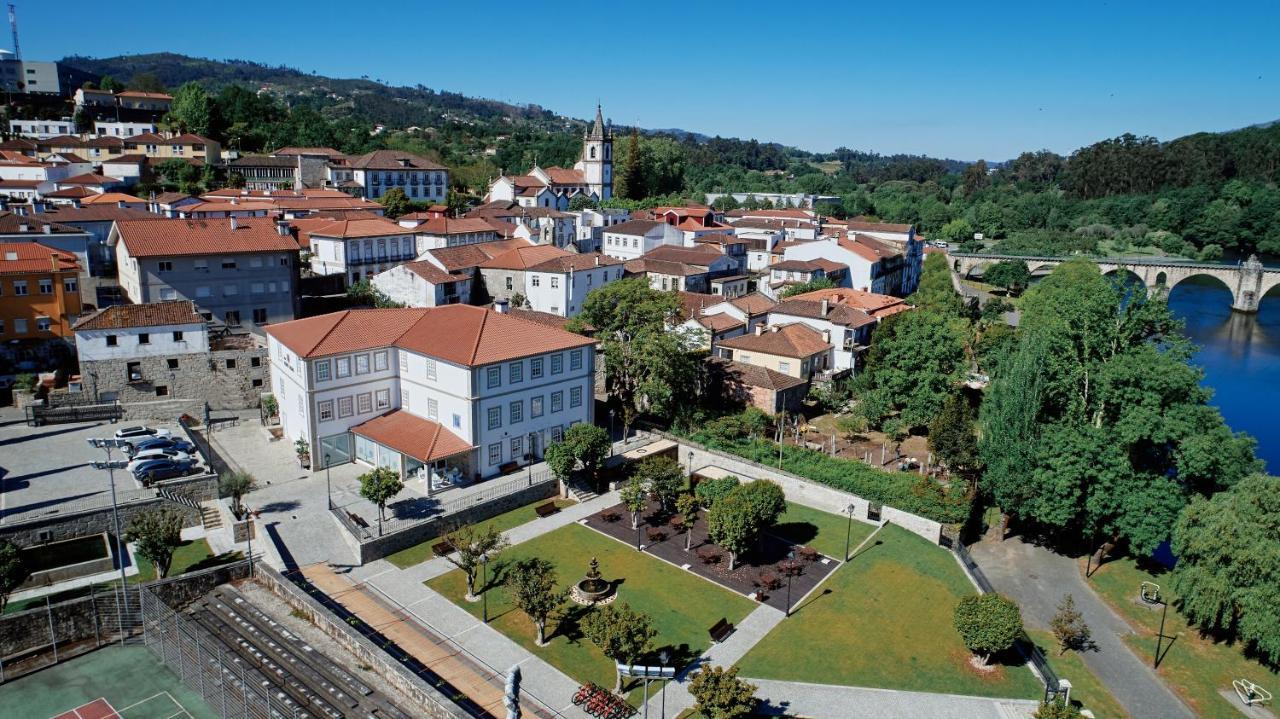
46	470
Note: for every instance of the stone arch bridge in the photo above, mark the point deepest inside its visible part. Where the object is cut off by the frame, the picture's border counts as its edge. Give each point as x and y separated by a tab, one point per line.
1248	281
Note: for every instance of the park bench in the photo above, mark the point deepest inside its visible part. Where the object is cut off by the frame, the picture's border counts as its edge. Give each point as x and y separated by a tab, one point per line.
546	509
508	467
720	630
359	521
441	549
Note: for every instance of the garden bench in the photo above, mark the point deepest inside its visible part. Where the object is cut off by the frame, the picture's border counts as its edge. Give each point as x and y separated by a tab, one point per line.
359	521
441	549
508	467
546	509
720	630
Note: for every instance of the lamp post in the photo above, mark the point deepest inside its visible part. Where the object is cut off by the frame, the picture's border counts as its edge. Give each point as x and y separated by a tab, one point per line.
848	532
611	431
637	536
111	466
790	573
248	528
1164	611
484	587
664	656
690	471
328	488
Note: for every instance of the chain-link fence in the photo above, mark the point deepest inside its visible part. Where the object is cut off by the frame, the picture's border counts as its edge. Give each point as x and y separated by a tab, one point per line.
227	683
50	632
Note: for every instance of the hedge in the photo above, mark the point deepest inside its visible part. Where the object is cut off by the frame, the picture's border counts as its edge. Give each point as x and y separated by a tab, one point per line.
900	490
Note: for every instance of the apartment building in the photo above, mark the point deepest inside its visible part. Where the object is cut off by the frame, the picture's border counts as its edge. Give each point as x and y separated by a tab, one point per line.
39	292
361	248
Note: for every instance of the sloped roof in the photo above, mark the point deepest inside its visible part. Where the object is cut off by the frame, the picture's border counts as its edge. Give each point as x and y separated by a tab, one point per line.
754	303
14	224
867	247
409	434
174	237
461	334
34	258
111	198
756	376
178	312
466	256
452	226
368	227
632	227
431	273
862	224
791	340
93	213
575	262
393	160
522	258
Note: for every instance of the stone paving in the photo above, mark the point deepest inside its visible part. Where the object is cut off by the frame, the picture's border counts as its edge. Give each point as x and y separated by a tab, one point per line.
837	702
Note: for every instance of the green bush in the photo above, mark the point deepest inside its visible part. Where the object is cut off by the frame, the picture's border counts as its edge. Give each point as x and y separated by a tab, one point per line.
899	490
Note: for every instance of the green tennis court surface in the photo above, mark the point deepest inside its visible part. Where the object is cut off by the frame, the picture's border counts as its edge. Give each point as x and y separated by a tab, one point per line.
110	683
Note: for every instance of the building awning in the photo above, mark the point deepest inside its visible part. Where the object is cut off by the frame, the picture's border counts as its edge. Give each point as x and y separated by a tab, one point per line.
413	436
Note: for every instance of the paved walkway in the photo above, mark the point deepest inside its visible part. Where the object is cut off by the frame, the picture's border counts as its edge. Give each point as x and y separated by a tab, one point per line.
1037	579
823	701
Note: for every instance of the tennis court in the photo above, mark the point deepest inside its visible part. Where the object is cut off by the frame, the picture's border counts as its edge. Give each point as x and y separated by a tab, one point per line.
110	683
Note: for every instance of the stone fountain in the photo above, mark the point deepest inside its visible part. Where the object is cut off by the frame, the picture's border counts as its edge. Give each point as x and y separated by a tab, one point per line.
592	589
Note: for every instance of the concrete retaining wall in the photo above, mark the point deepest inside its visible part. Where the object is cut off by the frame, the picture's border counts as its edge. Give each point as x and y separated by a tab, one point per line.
433	703
806	491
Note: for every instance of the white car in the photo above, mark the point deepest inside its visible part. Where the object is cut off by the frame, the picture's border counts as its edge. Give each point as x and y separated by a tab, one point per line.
148	455
140	431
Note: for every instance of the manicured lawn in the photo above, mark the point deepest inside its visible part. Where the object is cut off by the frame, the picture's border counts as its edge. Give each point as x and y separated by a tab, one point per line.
683	607
1196	667
420	553
887	622
1086	691
192	555
821	530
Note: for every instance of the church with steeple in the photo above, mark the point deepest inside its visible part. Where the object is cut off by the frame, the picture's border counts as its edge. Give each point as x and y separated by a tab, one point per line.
555	187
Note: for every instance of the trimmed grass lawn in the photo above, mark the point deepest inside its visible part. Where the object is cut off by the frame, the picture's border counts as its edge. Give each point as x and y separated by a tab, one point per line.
1086	691
192	555
683	606
887	622
1195	667
821	530
419	553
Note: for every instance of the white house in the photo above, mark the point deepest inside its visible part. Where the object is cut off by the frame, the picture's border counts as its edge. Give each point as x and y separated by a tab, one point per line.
554	187
560	285
874	265
359	249
424	284
591	224
846	316
122	129
634	238
42	129
441	393
377	172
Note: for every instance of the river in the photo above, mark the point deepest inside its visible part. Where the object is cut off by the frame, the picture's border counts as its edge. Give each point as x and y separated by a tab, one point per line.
1240	355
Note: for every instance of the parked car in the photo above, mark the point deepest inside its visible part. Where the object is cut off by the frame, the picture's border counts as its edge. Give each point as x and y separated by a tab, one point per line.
141	445
159	469
141	430
151	455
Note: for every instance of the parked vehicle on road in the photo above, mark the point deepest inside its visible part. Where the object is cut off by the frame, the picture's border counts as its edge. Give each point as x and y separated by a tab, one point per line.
159	469
150	455
181	445
141	430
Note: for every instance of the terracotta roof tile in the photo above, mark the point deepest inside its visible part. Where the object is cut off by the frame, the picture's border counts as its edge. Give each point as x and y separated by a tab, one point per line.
756	376
753	304
412	435
13	224
575	262
111	198
633	227
375	227
522	258
34	258
89	178
790	340
393	160
179	312
172	237
431	273
464	257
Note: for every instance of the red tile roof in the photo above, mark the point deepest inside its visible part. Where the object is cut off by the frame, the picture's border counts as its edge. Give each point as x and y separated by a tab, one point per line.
575	262
178	312
111	198
461	334
433	274
392	160
171	237
89	178
451	226
756	376
868	248
375	227
15	224
790	340
862	224
409	434
465	257
32	258
522	258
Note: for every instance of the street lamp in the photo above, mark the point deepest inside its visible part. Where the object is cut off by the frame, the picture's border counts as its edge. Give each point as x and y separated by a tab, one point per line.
248	514
848	532
691	463
1164	611
328	488
790	573
611	426
111	466
664	656
484	586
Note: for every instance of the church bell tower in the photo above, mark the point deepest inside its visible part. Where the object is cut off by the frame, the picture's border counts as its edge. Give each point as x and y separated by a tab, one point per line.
597	157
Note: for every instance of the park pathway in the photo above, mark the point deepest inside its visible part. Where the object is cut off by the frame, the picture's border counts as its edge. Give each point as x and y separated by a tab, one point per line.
1037	578
824	701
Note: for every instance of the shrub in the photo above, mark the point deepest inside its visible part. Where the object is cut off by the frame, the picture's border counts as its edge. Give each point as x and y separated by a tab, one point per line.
710	490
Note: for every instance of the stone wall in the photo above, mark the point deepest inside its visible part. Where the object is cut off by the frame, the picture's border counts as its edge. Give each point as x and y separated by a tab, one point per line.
198	378
431	701
69	525
368	550
806	491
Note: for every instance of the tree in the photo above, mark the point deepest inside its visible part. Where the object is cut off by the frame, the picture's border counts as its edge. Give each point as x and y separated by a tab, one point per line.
192	110
710	491
628	182
146	82
468	544
534	588
915	362
584	445
817	283
953	434
647	367
396	202
736	520
720	694
1069	627
851	425
379	485
662	477
13	570
936	291
157	534
975	178
365	293
620	633
687	505
110	84
582	202
635	496
235	485
1012	275
766	500
1227	578
988	624
957	230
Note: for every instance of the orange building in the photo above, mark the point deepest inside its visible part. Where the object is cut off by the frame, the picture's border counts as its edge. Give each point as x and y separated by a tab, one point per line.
39	294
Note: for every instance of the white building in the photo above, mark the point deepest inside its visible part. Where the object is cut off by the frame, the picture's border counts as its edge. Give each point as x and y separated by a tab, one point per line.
438	393
845	316
554	187
378	172
632	239
591	225
560	285
360	249
122	129
874	265
42	129
424	284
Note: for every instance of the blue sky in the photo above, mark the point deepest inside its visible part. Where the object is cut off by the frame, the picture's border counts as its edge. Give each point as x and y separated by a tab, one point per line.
962	80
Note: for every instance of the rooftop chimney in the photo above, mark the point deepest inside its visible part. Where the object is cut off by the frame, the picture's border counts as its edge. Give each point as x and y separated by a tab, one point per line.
47	228
233	222
597	260
773	328
23	227
501	306
759	329
826	305
282	226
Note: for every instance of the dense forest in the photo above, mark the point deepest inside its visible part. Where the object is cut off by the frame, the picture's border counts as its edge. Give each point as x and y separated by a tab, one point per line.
1207	195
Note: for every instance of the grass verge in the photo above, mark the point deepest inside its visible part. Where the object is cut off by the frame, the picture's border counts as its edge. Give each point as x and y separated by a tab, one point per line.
421	552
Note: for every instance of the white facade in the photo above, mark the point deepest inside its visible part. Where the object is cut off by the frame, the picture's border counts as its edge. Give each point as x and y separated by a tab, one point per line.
860	268
359	258
122	129
562	293
141	342
42	129
630	246
591	225
418	185
411	289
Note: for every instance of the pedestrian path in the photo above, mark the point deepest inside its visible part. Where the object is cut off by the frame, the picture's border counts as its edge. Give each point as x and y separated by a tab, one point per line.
824	701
